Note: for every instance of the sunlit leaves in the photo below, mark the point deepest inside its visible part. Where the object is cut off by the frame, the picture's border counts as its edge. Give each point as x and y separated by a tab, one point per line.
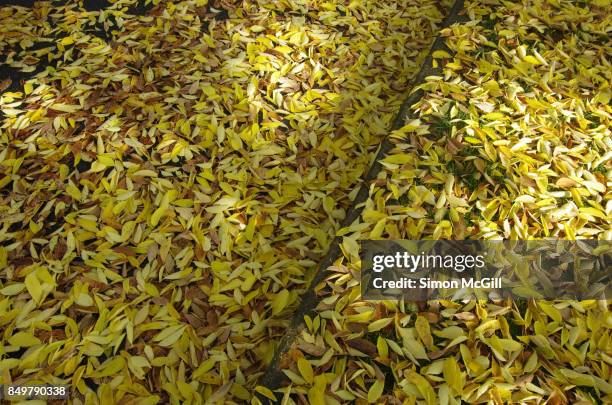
494	149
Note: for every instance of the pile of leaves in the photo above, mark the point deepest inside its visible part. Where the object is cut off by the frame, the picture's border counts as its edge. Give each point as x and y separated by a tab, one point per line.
512	141
169	180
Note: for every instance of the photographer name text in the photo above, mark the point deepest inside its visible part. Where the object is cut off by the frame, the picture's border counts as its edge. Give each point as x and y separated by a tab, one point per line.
426	282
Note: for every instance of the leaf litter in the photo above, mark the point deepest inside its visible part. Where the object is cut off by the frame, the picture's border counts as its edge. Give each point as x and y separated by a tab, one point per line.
170	180
512	141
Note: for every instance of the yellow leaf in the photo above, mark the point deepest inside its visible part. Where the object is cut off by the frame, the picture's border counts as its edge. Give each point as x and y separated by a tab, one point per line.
240	392
532	59
416	348
305	370
67	41
424	331
88	224
551	311
168	336
145	173
316	394
398	159
65	107
12	289
265	392
378	229
383	347
23	339
506	33
532	363
441	54
73	192
111	367
34	288
3	256
379	324
452	375
205	367
376	391
5	180
159	213
350	247
423	386
494	116
106	160
280	301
